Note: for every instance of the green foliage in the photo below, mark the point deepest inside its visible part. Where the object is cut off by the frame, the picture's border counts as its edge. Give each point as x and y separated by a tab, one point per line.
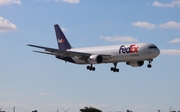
129	111
34	111
90	109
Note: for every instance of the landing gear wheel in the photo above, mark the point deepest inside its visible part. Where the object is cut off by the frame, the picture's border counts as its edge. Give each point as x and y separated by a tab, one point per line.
88	67
91	68
114	69
149	65
117	70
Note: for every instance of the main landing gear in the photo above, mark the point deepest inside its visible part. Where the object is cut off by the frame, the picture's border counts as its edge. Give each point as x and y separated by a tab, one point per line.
149	65
114	69
91	68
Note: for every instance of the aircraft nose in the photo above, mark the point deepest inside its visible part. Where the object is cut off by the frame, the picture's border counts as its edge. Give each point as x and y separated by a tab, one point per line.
157	52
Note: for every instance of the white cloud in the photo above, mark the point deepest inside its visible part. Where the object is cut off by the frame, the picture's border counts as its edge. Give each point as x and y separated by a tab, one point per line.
144	25
119	38
64	29
173	3
171	52
6	25
5	2
176	40
42	94
170	24
67	1
41	0
70	1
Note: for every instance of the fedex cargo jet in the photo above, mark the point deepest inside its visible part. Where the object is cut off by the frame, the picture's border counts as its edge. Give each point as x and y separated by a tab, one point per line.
131	54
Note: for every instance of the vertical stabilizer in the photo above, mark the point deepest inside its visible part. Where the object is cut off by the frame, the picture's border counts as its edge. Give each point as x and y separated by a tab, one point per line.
63	43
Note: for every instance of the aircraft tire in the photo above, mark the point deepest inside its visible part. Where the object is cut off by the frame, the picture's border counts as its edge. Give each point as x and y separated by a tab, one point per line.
88	67
112	69
117	70
149	65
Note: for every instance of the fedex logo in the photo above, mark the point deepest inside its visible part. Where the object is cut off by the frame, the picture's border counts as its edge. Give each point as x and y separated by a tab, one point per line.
61	40
132	49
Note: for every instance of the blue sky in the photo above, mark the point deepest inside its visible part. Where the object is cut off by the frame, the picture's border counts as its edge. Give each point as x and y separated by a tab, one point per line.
32	81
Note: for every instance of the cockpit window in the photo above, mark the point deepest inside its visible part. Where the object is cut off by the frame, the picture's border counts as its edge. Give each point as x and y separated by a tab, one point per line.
152	47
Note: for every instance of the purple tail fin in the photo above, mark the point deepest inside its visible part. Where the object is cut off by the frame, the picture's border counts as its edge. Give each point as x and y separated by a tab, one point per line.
63	43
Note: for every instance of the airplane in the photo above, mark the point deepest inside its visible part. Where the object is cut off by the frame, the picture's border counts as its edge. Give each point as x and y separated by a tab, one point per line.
132	54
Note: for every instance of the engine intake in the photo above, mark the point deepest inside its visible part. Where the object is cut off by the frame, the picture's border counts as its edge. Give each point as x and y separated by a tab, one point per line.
95	59
135	63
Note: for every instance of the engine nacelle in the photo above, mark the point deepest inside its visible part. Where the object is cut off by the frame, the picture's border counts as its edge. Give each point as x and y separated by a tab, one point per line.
135	63
95	59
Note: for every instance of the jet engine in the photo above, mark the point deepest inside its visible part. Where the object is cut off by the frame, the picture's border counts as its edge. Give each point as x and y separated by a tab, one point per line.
95	59
135	63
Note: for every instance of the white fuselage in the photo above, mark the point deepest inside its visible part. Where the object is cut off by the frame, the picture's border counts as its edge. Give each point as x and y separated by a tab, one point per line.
121	53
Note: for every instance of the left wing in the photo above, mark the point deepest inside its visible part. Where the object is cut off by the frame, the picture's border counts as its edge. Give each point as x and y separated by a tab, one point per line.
65	53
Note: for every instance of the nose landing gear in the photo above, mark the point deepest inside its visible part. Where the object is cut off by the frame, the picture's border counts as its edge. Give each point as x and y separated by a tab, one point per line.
149	65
